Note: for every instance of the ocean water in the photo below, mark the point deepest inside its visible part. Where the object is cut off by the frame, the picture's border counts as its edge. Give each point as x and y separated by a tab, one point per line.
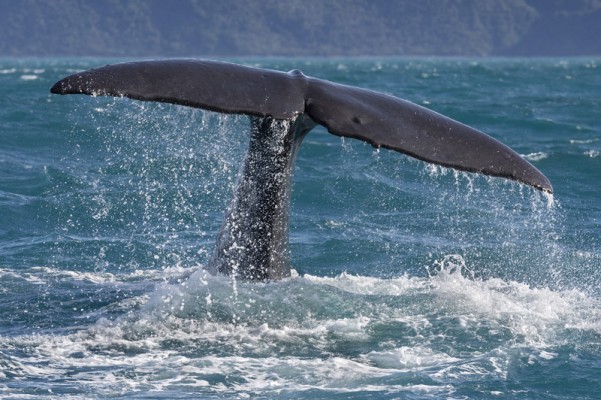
411	281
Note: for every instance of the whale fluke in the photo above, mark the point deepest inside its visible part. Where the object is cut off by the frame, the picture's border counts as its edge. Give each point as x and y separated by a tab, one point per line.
379	119
284	107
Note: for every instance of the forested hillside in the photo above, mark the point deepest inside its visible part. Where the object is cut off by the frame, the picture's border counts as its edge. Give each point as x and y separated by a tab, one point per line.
299	27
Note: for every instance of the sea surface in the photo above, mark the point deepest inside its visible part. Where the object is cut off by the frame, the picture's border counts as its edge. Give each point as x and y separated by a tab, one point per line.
410	281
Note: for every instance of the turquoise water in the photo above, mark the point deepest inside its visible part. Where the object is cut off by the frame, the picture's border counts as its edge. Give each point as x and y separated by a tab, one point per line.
411	281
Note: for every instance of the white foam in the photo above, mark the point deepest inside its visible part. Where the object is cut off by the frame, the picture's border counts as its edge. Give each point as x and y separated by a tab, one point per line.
583	141
409	358
538	156
535	315
341	334
371	286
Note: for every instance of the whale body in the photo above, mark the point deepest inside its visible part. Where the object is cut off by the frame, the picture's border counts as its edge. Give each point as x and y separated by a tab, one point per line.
283	108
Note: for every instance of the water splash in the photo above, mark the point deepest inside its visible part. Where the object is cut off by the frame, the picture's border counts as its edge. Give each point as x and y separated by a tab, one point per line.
157	178
344	334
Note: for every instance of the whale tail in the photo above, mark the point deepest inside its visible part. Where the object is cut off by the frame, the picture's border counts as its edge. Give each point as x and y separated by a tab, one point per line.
379	119
253	243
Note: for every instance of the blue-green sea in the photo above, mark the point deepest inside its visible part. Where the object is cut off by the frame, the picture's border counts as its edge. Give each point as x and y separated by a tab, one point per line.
410	281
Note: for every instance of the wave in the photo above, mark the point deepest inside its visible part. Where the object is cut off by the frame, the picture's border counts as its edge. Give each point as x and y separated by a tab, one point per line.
538	156
308	334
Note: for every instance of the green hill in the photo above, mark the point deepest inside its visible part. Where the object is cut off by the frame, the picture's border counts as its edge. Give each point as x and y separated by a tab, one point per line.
299	27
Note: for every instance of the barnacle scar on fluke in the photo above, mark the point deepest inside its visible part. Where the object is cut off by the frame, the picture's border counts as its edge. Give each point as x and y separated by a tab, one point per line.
284	107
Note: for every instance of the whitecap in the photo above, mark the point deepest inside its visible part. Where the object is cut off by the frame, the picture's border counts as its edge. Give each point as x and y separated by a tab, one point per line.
583	141
538	156
409	358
